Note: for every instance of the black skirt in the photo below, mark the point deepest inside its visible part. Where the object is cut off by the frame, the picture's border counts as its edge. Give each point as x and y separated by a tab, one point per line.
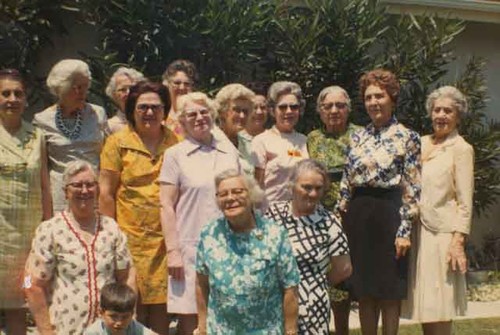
371	223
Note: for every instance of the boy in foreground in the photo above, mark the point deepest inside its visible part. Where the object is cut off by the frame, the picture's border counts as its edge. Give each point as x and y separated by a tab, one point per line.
117	311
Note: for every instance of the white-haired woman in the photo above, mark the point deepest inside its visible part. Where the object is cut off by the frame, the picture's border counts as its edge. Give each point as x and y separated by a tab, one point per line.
187	196
277	150
319	244
329	145
437	291
246	274
73	255
179	77
118	89
73	128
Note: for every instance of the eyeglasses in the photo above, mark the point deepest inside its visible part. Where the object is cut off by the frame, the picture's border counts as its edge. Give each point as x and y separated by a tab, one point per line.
284	107
143	108
239	110
236	192
329	106
178	83
89	185
191	114
124	90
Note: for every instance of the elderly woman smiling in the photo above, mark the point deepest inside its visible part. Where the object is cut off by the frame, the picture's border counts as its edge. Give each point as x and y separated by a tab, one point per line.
437	291
73	128
318	241
246	273
118	89
73	255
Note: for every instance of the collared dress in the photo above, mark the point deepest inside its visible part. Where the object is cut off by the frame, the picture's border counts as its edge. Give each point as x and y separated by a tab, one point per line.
331	150
277	153
436	293
20	206
75	269
192	167
245	149
172	122
247	274
380	189
315	238
61	150
138	206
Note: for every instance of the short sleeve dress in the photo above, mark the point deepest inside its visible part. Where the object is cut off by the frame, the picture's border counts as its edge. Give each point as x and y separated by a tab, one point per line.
20	207
247	274
61	149
138	207
192	167
315	239
75	269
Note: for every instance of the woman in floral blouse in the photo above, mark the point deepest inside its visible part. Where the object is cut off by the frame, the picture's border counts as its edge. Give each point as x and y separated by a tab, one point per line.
380	190
246	273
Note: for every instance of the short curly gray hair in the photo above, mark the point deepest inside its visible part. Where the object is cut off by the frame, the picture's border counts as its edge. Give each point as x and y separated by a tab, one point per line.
256	194
61	75
196	97
75	167
459	99
309	165
232	92
281	88
133	75
332	90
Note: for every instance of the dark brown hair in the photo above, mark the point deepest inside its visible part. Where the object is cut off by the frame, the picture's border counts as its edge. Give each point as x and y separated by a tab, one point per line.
118	297
145	87
384	79
181	65
12	74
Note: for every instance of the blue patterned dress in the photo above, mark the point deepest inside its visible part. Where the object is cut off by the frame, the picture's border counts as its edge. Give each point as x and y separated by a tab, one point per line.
247	273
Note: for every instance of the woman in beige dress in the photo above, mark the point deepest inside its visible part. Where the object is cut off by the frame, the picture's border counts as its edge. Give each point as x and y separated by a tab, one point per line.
24	197
73	128
437	281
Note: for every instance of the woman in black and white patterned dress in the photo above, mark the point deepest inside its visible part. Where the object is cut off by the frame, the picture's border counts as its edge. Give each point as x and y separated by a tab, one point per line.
318	242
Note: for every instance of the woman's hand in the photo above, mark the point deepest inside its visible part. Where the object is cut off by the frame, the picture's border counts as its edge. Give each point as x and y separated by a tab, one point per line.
456	253
402	246
175	265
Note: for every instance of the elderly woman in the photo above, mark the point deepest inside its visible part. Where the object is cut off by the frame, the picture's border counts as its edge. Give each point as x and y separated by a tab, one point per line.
246	273
318	242
380	190
437	292
329	145
73	128
188	198
180	77
25	197
72	256
256	124
277	150
130	165
118	89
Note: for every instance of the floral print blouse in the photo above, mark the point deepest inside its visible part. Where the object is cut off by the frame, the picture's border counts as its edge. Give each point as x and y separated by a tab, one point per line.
388	157
247	273
75	269
331	150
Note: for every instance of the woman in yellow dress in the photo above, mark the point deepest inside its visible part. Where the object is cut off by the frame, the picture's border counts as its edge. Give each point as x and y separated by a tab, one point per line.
130	165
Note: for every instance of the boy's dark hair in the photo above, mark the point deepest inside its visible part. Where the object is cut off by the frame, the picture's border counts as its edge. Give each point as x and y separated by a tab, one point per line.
118	297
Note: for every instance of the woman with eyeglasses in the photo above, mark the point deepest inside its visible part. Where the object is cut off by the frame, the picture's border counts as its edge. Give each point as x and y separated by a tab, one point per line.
329	145
130	192
277	150
188	199
118	89
25	198
246	273
73	255
235	105
73	128
180	77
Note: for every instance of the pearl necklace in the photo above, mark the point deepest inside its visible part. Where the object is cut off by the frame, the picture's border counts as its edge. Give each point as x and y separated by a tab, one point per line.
72	134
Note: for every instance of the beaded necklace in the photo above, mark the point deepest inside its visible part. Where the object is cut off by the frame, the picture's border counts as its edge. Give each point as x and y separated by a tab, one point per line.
72	134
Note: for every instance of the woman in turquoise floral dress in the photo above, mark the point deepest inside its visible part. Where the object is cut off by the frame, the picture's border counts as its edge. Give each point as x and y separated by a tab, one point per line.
247	275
